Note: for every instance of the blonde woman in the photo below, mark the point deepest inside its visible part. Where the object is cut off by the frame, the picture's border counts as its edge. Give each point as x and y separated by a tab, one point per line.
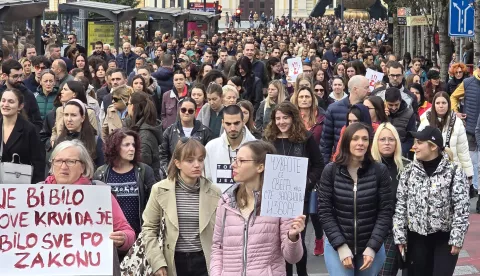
303	81
185	203
276	94
387	149
230	95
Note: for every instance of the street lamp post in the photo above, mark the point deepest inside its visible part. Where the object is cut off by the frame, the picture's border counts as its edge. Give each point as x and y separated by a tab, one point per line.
290	21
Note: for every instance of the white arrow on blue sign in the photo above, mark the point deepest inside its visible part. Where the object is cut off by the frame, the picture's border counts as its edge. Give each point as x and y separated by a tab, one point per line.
461	18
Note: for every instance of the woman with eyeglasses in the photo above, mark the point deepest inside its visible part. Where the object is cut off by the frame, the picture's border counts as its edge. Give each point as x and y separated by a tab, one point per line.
339	70
185	126
276	94
287	132
71	90
171	98
117	111
46	93
252	85
387	149
20	141
338	91
244	241
442	116
355	207
76	125
142	118
71	164
458	71
130	179
182	208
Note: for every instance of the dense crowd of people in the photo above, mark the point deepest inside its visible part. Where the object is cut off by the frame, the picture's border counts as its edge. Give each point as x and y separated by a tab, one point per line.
180	130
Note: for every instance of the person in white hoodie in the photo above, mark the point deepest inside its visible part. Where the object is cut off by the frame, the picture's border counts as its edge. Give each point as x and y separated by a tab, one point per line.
222	151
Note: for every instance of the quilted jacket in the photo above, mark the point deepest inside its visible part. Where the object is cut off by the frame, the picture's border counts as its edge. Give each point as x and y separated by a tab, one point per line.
426	205
257	246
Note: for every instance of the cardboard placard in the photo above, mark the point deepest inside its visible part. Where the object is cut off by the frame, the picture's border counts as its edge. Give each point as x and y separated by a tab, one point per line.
295	68
373	77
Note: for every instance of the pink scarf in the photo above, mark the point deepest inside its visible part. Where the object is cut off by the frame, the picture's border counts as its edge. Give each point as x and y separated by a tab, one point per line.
82	180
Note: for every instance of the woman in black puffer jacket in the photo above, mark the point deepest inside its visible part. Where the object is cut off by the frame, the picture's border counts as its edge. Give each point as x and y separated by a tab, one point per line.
355	206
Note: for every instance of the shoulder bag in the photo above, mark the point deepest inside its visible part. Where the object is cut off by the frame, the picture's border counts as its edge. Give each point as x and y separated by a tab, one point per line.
14	173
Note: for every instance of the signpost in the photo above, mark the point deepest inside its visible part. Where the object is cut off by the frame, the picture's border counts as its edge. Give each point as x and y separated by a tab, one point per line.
461	18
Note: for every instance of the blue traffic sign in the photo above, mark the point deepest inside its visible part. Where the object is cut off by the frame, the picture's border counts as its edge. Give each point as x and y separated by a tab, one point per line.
461	18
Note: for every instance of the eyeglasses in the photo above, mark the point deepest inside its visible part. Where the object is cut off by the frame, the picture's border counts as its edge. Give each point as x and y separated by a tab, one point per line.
319	89
459	72
184	110
70	162
239	162
18	76
395	76
384	140
70	38
38	67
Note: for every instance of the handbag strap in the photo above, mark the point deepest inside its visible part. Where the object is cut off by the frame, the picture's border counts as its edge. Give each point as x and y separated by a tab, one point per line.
450	129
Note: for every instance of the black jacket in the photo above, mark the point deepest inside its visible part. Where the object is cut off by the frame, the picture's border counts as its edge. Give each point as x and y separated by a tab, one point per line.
151	139
25	141
172	135
31	83
102	92
31	106
46	132
372	213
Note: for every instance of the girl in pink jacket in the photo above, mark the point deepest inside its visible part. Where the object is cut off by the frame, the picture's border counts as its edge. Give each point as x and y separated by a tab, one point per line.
244	243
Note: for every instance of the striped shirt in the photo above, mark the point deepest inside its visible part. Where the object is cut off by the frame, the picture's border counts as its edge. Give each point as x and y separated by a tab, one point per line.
188	199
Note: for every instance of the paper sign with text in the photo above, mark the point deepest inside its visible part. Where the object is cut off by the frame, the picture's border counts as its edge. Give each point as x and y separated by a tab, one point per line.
55	230
295	68
284	185
373	77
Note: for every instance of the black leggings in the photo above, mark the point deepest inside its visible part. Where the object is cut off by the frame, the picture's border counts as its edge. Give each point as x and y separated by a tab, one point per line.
317	226
430	255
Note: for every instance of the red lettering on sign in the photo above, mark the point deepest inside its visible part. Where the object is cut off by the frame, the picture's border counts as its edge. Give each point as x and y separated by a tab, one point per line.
7	198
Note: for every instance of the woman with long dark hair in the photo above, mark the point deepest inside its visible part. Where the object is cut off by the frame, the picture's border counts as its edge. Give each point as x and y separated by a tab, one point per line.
99	73
214	76
274	69
139	85
81	62
376	108
355	206
423	105
247	110
143	119
287	132
251	84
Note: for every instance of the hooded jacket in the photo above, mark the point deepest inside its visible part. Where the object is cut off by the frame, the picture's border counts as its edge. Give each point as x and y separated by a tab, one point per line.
218	159
250	247
151	139
430	204
164	77
173	133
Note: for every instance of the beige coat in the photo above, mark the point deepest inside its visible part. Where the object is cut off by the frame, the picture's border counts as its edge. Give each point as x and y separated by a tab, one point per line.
112	121
162	205
57	128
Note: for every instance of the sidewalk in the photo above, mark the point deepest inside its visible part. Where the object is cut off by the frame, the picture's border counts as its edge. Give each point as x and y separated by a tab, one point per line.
469	259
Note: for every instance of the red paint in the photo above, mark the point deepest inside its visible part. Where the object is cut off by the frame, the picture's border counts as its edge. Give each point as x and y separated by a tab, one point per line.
13	220
7	198
95	238
78	259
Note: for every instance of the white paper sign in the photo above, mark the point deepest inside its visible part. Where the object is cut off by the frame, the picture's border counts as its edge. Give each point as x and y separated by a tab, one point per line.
55	230
284	185
373	77
295	68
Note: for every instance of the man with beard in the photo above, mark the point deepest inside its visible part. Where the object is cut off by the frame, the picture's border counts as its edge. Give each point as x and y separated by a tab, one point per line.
401	116
99	52
12	74
222	151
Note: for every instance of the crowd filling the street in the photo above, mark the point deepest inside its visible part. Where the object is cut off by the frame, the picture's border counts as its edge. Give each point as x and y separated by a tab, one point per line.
186	132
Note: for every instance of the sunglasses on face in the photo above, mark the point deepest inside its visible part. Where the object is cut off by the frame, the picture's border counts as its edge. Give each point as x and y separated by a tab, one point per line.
319	89
184	110
116	100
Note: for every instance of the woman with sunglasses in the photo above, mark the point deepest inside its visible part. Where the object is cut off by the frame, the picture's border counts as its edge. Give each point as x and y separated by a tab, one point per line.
184	204
244	241
287	132
185	126
117	111
142	118
321	94
387	149
458	71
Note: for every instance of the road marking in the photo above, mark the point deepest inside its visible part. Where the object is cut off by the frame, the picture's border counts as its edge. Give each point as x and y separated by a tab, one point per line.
465	270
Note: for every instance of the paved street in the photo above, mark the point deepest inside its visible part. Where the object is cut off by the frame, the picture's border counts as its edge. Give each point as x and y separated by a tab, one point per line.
468	262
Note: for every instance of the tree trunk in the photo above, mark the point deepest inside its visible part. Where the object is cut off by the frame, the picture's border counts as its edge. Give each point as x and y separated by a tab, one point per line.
445	43
414	40
476	57
428	43
419	41
396	35
457	48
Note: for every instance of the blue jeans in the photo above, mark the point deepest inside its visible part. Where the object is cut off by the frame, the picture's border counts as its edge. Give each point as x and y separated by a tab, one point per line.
336	268
474	157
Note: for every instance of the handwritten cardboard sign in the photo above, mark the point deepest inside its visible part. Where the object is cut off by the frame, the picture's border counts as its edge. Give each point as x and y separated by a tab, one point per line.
373	77
295	68
284	185
55	230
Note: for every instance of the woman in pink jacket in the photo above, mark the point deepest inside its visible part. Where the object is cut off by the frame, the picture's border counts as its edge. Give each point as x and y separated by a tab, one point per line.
243	242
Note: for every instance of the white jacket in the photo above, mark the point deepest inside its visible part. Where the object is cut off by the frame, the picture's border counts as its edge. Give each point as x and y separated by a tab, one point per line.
218	159
458	142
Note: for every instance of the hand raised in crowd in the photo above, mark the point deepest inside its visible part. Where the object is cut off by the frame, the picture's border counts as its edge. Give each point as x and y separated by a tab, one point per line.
297	226
118	238
161	272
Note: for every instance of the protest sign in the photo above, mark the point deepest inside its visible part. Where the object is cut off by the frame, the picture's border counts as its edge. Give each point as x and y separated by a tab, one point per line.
284	185
55	230
373	77
295	68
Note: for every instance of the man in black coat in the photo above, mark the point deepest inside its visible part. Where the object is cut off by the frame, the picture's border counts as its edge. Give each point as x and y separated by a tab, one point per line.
39	63
72	42
12	72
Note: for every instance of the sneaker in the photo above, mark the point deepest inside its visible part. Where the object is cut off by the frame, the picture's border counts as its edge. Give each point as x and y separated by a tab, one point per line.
318	251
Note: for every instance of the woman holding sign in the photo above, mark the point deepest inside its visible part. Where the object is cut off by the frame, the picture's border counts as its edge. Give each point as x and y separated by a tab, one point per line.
244	241
288	134
355	207
182	209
